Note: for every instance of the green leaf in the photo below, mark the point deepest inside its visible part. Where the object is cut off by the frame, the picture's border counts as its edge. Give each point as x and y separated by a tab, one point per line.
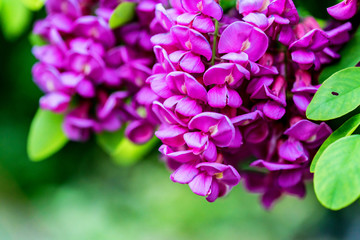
122	14
348	58
33	5
15	18
46	136
338	95
122	150
337	173
109	141
129	153
345	130
227	4
37	40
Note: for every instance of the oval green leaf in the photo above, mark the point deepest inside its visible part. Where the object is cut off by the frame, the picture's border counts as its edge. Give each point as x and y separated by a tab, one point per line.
109	141
46	136
33	5
15	18
337	173
348	58
122	150
337	96
122	14
345	130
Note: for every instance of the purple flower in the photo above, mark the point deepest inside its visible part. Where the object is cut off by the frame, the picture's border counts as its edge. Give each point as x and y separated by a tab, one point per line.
212	180
207	7
213	130
304	51
187	95
81	64
226	77
240	37
190	45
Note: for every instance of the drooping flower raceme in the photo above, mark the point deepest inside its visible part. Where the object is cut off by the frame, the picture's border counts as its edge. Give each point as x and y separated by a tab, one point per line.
225	87
227	90
98	84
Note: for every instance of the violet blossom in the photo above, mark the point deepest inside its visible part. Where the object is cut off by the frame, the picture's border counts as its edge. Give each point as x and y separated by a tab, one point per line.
250	95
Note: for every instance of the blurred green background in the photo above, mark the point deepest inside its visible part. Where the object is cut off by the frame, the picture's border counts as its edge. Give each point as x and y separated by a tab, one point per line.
81	194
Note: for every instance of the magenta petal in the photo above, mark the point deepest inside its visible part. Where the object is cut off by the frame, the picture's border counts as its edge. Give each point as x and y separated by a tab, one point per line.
254	181
204	121
212	9
184	174
340	35
217	96
159	86
200	185
184	83
190	5
230	177
309	132
192	63
196	140
203	24
186	18
176	56
223	133
233	98
217	125
293	150
171	135
274	110
303	57
86	89
184	156
111	103
257	132
240	58
247	6
165	115
289	178
210	152
238	139
212	168
247	118
258	19
233	36
298	190
188	107
56	102
225	174
214	192
301	101
230	73
274	166
217	74
243	37
139	132
269	197
170	102
302	130
344	10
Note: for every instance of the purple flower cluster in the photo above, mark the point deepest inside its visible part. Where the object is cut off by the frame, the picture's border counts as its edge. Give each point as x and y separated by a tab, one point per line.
236	85
94	75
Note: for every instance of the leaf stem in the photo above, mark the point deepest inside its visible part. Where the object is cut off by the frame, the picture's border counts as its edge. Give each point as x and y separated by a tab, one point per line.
215	42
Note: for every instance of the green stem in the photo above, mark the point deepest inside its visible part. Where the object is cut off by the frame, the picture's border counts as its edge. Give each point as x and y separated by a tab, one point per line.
215	42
